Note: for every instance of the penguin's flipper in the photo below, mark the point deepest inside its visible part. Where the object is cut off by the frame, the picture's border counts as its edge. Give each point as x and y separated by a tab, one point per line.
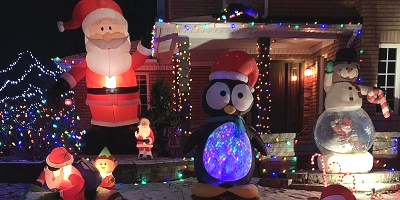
248	191
257	141
192	142
206	190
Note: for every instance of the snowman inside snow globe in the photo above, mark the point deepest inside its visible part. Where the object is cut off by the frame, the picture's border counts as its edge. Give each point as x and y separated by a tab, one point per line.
344	132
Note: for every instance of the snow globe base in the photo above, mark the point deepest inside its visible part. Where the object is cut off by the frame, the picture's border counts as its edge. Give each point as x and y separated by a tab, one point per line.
347	163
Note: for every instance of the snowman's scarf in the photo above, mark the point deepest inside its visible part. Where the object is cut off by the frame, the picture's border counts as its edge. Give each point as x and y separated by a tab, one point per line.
238	120
355	86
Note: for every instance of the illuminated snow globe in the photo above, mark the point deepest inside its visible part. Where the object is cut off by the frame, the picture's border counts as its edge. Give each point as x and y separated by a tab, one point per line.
344	132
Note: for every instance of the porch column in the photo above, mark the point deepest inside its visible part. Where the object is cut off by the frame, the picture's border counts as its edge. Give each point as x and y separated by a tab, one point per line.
262	90
182	83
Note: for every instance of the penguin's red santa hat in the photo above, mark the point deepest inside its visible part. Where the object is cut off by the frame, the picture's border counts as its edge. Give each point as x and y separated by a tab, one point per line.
59	157
337	192
236	65
88	11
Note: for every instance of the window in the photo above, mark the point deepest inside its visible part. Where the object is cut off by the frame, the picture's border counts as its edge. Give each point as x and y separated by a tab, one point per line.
142	81
388	79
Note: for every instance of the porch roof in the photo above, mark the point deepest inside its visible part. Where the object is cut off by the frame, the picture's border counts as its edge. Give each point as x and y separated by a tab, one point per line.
291	38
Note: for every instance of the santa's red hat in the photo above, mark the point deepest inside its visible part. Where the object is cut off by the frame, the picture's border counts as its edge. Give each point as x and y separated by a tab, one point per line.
59	157
235	65
337	192
89	11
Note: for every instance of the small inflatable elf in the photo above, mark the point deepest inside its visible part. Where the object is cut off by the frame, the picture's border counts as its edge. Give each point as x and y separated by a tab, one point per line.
106	164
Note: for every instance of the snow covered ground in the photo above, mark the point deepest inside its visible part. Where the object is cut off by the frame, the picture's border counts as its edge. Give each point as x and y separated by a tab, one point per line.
180	190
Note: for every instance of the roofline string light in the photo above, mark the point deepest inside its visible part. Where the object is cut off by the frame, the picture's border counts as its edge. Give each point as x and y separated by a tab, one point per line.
238	25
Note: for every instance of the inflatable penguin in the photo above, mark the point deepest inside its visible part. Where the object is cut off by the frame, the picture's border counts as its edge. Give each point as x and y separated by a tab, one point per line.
344	132
224	159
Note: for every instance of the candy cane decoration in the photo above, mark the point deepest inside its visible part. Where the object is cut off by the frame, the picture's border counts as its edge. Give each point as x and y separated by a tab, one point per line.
377	96
340	180
379	196
354	181
323	166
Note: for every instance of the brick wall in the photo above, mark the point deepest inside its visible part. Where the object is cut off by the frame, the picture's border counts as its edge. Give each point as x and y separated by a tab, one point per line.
190	8
309	99
277	8
81	109
312	8
381	24
199	75
311	85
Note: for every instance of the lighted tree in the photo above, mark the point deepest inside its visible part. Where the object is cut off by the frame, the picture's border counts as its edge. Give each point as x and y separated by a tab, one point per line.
29	129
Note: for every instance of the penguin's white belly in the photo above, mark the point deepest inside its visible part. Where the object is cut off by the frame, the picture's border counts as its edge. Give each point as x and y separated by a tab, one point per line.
227	155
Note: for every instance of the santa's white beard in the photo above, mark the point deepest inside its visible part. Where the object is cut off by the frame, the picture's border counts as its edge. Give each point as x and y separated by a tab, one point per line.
109	62
144	131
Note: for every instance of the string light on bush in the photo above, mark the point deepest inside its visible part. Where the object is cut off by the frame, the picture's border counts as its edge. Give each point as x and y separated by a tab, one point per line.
29	128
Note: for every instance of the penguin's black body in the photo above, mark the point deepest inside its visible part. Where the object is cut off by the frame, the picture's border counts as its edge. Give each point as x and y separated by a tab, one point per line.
225	155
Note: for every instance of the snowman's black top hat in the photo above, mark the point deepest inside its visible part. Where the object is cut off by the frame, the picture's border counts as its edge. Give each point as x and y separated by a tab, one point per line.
347	55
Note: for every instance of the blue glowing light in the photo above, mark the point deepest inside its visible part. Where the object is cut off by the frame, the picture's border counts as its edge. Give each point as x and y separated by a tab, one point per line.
227	155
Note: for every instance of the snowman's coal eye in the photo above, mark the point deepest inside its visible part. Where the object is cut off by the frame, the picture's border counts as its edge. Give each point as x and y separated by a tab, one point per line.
218	95
242	98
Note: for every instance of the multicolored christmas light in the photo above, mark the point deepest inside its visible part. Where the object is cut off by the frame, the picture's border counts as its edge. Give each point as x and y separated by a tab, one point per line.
29	129
182	83
263	95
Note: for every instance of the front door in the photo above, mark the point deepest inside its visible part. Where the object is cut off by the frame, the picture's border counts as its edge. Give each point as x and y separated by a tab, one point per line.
286	87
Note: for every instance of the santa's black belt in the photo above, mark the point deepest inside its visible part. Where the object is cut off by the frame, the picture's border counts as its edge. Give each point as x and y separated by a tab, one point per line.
117	90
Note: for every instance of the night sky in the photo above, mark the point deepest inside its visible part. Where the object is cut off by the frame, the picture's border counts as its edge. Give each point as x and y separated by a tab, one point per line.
32	25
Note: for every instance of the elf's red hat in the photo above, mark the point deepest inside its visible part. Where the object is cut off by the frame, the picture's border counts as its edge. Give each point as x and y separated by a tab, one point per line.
59	157
337	192
88	11
235	65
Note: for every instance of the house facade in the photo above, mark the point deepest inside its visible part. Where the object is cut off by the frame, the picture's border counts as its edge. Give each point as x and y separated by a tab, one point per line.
302	35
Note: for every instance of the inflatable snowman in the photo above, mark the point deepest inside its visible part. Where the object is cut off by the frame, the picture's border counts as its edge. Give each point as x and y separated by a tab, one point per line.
344	132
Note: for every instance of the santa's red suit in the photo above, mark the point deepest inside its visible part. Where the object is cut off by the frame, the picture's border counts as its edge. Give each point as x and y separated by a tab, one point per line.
143	146
111	109
71	186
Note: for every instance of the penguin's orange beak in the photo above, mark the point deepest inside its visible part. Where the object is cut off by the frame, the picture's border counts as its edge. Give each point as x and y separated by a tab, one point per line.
350	70
229	109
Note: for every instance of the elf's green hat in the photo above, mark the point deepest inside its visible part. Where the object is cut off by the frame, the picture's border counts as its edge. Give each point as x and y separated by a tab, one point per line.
105	154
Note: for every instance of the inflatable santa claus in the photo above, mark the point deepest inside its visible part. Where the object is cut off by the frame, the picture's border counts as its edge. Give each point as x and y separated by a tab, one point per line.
145	139
337	192
61	176
109	68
